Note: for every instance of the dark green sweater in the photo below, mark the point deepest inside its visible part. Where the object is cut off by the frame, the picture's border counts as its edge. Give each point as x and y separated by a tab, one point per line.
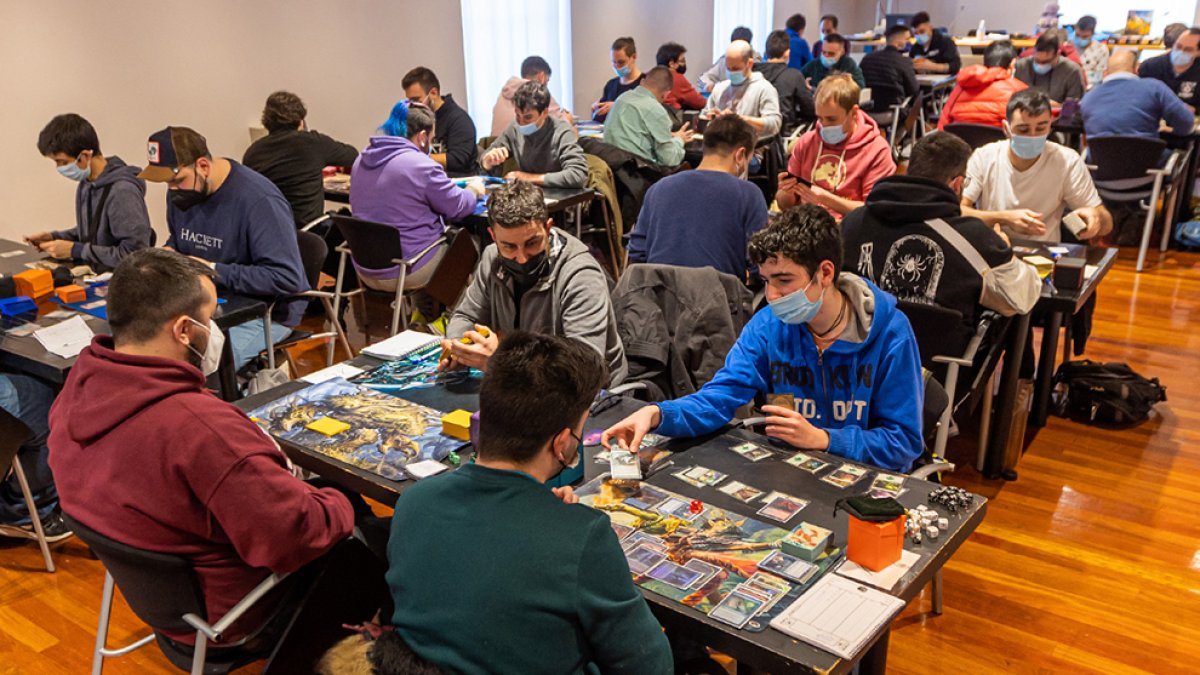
816	71
491	573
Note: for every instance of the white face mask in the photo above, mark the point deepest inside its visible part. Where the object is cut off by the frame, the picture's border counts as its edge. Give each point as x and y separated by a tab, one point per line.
210	360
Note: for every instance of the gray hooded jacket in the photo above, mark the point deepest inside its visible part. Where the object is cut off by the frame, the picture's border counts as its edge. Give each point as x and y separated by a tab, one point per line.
123	224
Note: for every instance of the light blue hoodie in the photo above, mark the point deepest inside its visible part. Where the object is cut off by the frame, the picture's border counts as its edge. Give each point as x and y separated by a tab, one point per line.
867	395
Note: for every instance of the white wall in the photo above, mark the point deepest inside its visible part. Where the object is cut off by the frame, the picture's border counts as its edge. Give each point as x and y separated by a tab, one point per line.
134	66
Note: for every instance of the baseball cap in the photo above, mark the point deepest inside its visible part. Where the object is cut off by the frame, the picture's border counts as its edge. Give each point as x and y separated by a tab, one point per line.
169	149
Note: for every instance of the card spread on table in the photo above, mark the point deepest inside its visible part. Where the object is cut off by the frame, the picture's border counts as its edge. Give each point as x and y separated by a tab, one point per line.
424	468
740	491
781	507
327	426
700	476
845	475
806	462
888	484
752	451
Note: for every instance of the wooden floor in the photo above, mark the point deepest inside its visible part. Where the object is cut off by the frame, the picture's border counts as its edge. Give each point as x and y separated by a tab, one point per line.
1090	562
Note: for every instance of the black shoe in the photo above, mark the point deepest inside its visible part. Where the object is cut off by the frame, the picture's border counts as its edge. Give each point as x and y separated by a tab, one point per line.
53	527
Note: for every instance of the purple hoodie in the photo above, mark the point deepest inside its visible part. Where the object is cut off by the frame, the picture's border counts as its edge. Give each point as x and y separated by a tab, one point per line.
395	183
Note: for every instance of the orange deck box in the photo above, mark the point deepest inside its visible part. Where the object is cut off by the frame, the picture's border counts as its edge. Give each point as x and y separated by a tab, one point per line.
875	545
71	293
34	283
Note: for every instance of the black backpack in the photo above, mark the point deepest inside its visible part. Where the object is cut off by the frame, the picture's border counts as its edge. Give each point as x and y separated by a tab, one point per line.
1106	393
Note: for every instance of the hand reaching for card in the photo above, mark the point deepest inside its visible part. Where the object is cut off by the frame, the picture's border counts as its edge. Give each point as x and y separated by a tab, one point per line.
472	352
629	431
793	428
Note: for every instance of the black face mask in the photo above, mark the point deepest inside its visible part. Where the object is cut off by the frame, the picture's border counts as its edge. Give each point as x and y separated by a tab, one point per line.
529	271
682	70
186	199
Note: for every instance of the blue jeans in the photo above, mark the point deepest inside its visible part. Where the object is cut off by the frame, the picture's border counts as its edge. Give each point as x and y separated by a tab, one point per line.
248	339
28	399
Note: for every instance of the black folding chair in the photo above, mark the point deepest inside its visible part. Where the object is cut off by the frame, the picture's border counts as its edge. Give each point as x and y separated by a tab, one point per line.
313	252
13	434
976	135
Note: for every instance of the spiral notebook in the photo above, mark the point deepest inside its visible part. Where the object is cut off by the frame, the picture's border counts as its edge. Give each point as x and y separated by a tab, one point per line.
401	345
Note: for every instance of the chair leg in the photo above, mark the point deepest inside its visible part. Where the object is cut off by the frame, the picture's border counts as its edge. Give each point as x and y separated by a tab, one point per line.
38	532
270	342
1169	217
102	627
937	593
398	303
200	655
985	421
1148	225
341	334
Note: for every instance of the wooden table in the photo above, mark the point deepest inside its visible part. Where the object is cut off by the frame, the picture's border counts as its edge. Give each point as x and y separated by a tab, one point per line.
769	650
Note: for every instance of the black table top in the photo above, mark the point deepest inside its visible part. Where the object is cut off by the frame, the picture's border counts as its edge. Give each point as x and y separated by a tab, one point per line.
16	262
1072	300
768	650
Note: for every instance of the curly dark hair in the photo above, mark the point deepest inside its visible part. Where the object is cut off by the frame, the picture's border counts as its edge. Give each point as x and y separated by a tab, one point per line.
532	95
283	111
805	234
516	204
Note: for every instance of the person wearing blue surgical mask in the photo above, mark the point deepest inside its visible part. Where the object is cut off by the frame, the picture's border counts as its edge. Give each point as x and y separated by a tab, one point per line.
1048	71
831	340
932	51
1178	69
832	59
1025	185
1093	56
544	148
628	77
111	220
746	93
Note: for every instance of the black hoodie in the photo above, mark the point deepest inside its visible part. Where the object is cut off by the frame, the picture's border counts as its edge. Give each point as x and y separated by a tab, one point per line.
961	265
795	101
114	205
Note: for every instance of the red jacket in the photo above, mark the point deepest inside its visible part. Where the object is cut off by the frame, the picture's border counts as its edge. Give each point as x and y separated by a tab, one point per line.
683	94
144	454
981	96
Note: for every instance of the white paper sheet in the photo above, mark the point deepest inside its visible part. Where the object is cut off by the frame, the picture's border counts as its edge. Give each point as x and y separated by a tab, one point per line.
885	578
336	370
838	615
1090	270
65	338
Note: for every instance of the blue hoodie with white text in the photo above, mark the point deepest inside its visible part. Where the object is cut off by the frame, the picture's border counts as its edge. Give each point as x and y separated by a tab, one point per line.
868	395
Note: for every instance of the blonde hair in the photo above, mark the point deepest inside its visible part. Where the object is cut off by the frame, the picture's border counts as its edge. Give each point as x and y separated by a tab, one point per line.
839	89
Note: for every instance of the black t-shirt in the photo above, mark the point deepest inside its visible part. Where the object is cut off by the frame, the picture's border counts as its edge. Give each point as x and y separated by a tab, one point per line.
1186	85
941	49
612	89
455	136
293	161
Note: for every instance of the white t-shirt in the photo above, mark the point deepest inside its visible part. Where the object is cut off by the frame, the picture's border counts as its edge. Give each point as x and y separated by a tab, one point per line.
1056	184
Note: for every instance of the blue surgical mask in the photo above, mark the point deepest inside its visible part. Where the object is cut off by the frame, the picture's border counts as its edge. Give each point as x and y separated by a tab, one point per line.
828	62
73	172
1042	68
795	307
1081	43
623	72
1028	147
833	135
1181	58
922	39
527	129
737	78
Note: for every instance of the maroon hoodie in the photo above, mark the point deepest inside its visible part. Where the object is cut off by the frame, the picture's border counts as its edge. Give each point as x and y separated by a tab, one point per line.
144	454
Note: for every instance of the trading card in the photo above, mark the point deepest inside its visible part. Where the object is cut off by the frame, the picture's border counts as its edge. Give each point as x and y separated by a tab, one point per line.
704	475
752	451
638	538
602	457
740	491
642	557
707	569
620	530
737	608
651	440
782	507
593	438
674	575
788	566
880	494
782	400
678	508
845	475
623	465
806	462
890	483
683	475
22	331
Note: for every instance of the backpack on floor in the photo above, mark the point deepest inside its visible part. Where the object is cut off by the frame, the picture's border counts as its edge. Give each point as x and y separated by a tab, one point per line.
1187	234
1106	393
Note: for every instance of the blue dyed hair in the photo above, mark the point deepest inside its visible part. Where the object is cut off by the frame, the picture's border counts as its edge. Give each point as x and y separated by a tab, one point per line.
397	123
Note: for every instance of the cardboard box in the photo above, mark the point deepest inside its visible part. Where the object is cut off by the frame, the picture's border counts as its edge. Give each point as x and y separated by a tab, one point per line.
875	545
457	424
34	283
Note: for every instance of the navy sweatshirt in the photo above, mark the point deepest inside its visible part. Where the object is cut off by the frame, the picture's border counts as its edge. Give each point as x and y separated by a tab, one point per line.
246	227
698	219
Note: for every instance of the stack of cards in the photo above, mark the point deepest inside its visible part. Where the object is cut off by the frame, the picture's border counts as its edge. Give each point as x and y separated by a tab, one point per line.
781	507
806	462
845	475
752	597
788	567
700	476
741	491
887	485
623	465
752	451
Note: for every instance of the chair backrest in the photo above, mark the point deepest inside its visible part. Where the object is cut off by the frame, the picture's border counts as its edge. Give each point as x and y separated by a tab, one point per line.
454	270
13	434
976	135
1124	157
160	588
939	331
313	251
372	245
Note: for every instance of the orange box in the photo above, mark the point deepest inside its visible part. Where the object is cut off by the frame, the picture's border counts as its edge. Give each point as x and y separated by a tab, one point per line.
34	283
875	545
71	293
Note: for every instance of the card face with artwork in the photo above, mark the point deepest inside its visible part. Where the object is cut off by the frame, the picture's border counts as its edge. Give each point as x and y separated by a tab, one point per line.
737	608
752	451
781	507
740	491
845	475
788	566
700	476
642	557
806	462
675	575
888	484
